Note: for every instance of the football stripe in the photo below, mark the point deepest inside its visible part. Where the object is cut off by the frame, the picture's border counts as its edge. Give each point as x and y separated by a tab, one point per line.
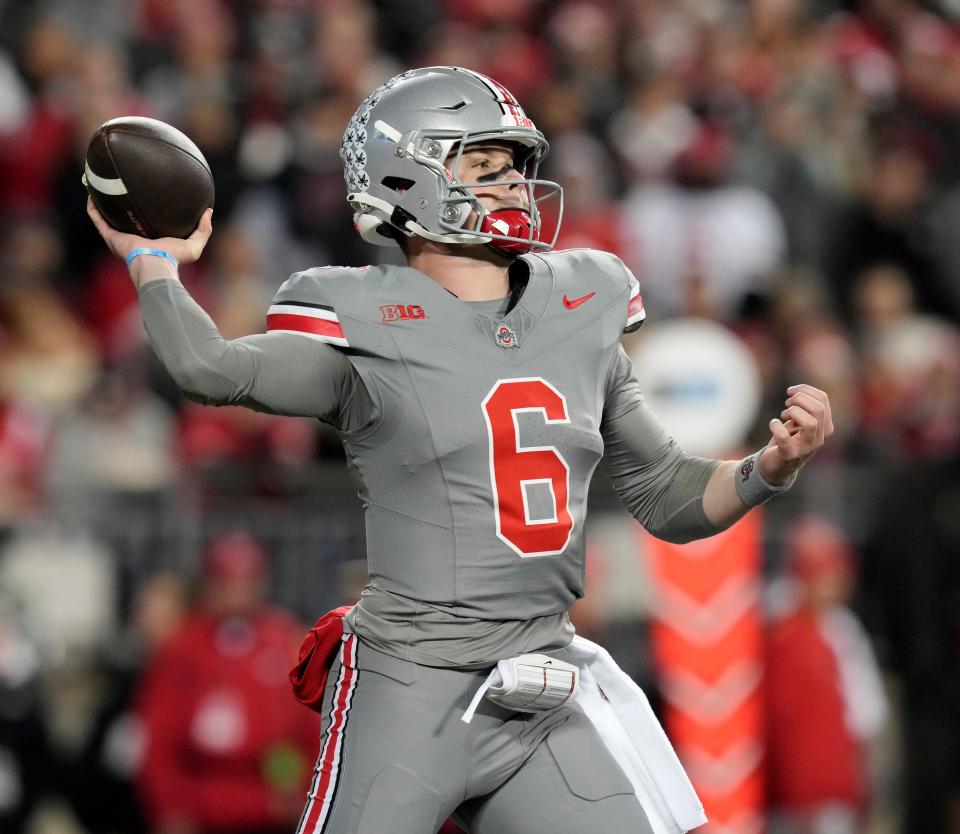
635	310
327	775
513	115
505	95
636	316
500	93
310	311
302	304
111	187
485	81
304	324
351	651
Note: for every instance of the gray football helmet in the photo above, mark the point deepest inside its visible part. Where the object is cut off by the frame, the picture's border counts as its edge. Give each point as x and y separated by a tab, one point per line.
399	182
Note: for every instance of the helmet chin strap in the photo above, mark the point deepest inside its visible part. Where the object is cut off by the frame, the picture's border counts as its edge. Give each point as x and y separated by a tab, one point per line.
506	222
367	225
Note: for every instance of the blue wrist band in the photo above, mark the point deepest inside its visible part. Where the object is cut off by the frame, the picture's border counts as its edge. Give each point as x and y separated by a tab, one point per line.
144	251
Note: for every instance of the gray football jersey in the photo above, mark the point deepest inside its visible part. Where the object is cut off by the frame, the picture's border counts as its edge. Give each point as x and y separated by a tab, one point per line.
472	436
475	467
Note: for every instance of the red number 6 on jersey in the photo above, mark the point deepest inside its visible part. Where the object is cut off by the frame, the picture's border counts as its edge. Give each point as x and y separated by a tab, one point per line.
515	469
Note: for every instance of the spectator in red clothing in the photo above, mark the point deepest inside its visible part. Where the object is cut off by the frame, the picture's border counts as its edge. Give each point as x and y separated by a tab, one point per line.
824	695
24	441
227	748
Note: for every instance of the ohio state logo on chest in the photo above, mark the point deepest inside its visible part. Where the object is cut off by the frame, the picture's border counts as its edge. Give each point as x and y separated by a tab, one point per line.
402	312
505	336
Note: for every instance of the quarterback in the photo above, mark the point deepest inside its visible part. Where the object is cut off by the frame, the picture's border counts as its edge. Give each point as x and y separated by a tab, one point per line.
475	390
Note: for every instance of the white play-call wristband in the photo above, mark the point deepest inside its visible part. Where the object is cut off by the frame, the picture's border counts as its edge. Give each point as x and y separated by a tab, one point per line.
528	683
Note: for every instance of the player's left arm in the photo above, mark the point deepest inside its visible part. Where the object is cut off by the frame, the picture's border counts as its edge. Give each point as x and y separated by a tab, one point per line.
801	430
680	497
660	485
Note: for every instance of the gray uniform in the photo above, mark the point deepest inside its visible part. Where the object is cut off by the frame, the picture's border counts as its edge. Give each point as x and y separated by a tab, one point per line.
472	437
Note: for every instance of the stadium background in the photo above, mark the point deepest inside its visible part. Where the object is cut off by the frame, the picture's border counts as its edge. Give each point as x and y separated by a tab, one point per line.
786	168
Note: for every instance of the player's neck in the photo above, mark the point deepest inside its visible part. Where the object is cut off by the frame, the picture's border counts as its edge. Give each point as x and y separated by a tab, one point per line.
478	275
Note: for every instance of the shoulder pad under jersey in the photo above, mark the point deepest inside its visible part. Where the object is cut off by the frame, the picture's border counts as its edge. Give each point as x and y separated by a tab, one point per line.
303	305
581	269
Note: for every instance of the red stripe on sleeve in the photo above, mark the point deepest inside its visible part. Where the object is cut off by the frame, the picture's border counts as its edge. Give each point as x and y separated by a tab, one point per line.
304	324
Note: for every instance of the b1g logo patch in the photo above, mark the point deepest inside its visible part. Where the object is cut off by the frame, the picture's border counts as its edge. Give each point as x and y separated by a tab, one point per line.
505	337
402	312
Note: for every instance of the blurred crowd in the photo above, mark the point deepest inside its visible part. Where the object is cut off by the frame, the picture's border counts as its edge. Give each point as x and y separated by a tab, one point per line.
783	167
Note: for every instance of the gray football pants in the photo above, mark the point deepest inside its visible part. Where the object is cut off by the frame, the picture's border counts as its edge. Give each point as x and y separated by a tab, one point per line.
395	758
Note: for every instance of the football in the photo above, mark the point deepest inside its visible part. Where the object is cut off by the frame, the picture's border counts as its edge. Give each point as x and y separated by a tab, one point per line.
147	178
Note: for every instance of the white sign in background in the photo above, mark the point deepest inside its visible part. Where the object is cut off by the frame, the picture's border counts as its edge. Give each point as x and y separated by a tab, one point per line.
701	381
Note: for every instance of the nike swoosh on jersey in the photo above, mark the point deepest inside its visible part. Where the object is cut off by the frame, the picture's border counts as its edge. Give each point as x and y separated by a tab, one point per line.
573	303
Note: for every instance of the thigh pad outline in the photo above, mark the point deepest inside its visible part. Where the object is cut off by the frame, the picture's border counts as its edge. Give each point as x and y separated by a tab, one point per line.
586	765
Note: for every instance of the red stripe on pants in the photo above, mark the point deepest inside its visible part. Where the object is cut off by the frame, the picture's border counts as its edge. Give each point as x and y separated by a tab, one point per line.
321	799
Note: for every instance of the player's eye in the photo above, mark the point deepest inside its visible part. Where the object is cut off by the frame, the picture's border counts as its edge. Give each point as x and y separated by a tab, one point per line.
499	174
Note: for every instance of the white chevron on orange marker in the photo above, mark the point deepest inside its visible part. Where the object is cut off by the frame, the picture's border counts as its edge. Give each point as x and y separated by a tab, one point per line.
711	703
747	823
723	773
706	621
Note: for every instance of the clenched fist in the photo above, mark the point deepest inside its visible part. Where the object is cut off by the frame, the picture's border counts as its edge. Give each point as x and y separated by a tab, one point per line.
802	428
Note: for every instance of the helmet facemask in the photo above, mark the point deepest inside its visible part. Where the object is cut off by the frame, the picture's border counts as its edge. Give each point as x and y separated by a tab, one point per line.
403	182
510	230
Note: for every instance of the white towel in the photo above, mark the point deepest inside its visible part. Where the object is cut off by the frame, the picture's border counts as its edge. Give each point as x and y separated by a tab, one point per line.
620	711
629	728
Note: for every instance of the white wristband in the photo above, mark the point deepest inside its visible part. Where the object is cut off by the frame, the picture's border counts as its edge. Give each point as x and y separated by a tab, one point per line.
527	683
752	488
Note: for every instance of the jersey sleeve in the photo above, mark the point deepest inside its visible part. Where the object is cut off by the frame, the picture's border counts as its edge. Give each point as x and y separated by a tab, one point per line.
636	315
280	371
302	307
582	270
660	485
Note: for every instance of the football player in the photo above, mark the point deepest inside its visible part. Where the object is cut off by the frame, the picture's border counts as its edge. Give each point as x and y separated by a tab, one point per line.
475	390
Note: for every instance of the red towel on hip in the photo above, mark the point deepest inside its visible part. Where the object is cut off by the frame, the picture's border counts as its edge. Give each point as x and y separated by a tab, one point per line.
309	677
